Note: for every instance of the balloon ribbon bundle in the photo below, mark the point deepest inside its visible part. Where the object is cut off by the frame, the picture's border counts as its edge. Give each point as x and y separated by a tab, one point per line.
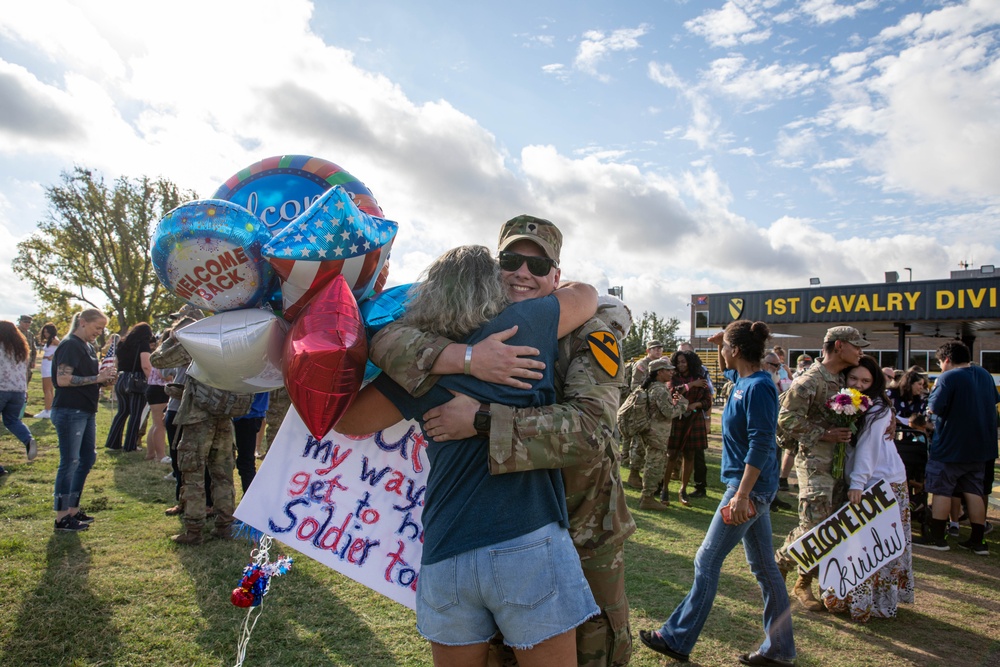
254	585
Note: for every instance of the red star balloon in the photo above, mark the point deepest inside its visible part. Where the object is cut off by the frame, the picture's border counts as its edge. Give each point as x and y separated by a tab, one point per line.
325	355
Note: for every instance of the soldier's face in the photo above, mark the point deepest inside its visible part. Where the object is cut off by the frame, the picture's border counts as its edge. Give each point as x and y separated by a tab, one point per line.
523	284
655	352
850	353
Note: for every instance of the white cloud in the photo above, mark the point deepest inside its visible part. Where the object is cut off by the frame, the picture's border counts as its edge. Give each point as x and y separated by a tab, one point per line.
739	78
596	46
728	27
829	11
929	110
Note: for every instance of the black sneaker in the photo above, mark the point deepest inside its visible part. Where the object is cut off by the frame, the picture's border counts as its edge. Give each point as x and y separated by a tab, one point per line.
70	525
32	448
82	517
981	549
928	542
779	504
697	493
3	471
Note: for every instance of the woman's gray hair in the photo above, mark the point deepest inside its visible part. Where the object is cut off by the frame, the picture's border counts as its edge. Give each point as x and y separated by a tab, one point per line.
461	290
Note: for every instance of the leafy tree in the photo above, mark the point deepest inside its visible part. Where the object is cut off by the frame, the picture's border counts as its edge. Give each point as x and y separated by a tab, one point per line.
650	325
96	237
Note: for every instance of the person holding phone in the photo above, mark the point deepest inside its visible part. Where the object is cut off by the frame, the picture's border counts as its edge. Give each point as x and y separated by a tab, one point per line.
750	472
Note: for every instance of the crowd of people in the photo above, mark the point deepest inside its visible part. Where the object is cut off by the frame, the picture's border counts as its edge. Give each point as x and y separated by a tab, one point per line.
515	378
148	403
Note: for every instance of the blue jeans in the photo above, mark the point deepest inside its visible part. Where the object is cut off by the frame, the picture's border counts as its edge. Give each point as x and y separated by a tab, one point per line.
12	402
681	630
77	432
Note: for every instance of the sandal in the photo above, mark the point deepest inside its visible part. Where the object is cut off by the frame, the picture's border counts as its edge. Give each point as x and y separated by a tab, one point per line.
654	641
682	496
175	510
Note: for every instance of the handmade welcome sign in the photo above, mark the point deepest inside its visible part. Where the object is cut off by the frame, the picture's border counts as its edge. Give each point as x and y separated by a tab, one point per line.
353	504
853	542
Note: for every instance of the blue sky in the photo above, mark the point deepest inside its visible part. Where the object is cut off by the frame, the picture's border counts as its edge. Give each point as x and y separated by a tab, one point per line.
683	147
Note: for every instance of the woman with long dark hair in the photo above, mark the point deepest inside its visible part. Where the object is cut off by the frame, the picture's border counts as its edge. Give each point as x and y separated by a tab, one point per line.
750	472
13	384
909	396
871	457
50	340
133	364
690	430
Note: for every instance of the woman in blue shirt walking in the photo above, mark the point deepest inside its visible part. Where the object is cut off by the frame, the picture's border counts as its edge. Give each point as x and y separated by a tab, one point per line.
750	473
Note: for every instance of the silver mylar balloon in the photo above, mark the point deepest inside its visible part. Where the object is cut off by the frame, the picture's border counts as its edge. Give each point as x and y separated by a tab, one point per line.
239	350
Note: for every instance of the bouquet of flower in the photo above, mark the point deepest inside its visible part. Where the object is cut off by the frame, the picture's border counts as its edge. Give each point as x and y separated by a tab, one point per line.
845	407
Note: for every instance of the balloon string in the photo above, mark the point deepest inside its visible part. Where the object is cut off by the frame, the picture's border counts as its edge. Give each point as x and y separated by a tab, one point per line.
260	557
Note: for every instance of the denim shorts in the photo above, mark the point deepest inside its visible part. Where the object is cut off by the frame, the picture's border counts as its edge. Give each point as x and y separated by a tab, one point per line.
530	588
946	479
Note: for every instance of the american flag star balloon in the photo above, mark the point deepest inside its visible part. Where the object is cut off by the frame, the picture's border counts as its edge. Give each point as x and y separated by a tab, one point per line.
332	237
325	355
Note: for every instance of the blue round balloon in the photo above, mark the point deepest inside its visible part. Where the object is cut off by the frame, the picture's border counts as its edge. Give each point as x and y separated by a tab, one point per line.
207	252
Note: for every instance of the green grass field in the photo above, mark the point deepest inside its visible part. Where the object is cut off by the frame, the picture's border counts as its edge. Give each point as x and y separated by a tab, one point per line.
122	594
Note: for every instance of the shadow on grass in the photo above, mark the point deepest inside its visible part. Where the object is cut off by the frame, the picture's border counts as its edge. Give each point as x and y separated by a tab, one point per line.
62	621
303	621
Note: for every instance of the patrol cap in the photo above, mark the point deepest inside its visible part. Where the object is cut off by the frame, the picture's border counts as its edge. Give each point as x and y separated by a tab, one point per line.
661	364
652	342
187	310
612	311
846	334
803	357
537	230
25	318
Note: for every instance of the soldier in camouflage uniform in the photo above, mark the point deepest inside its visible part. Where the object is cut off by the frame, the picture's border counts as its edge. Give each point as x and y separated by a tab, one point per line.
577	435
637	451
803	417
663	409
205	440
277	407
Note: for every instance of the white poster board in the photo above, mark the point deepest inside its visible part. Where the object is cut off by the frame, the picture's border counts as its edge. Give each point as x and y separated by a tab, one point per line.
854	542
351	503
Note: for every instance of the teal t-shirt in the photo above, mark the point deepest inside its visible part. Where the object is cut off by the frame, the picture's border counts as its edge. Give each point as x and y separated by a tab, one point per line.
467	508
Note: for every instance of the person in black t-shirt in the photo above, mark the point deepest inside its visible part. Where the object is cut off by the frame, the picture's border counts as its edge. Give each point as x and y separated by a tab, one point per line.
74	415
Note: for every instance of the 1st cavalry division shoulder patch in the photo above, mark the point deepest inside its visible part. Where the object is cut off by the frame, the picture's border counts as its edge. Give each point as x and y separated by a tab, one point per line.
604	349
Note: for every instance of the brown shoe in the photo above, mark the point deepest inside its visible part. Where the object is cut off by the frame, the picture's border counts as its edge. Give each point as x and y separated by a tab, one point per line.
651	503
175	510
222	532
803	593
634	479
190	537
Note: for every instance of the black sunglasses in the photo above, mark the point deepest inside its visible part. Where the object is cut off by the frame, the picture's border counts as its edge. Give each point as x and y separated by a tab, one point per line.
538	266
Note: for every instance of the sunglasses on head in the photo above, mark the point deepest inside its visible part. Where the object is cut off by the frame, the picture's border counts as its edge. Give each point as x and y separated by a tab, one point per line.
538	266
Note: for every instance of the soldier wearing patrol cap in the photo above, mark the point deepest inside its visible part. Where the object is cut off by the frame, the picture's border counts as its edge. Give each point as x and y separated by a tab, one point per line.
803	417
576	435
663	409
637	450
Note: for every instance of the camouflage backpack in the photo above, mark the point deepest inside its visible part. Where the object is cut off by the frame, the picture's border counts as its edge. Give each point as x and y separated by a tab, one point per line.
633	415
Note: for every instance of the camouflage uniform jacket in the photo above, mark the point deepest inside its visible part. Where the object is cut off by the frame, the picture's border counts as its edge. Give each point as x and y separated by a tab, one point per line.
171	353
639	373
803	415
577	434
662	413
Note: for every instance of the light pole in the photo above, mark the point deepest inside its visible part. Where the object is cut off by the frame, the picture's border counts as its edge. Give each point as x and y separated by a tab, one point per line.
906	268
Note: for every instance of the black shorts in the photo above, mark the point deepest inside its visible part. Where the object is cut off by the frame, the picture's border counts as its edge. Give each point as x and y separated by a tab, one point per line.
155	395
